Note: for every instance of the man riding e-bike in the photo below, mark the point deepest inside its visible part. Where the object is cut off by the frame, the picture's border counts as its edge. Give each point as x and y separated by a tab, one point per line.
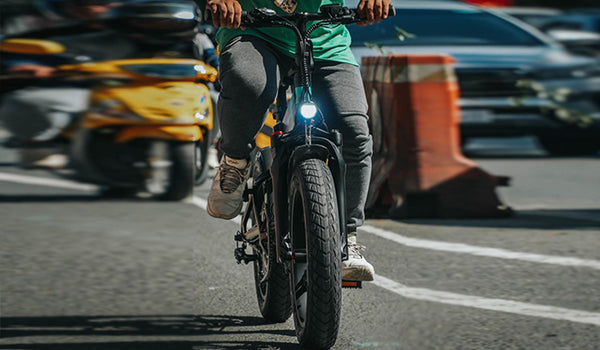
252	62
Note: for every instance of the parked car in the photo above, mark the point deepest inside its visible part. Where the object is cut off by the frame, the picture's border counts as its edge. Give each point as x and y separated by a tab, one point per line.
514	80
535	16
576	32
582	19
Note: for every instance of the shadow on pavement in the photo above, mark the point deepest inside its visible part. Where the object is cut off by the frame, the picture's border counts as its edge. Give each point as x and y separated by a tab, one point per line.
541	219
164	332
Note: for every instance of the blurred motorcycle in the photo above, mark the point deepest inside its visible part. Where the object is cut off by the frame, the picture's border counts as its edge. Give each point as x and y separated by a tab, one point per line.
148	125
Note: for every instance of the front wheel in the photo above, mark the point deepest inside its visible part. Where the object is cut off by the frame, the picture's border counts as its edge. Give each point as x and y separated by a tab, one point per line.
315	278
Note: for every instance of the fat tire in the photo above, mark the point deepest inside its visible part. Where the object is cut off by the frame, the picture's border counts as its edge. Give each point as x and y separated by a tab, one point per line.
315	231
181	179
274	300
271	281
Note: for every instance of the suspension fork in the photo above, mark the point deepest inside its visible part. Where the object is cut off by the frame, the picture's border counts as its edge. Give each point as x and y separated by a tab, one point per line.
284	160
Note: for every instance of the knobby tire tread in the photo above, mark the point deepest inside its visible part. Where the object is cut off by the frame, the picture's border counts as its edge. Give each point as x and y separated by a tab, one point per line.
324	263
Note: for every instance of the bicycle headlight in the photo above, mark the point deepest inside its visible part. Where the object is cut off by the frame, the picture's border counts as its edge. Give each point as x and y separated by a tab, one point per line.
308	110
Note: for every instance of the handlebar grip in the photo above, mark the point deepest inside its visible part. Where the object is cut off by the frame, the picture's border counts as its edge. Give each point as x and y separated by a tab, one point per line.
391	11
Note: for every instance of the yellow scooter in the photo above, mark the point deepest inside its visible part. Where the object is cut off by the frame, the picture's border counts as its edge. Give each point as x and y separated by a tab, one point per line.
148	124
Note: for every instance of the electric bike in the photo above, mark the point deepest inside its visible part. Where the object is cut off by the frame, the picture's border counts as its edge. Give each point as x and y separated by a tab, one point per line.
293	227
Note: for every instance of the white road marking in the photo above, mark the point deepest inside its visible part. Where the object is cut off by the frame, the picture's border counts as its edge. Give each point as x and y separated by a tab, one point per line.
460	247
509	306
48	182
480	251
514	307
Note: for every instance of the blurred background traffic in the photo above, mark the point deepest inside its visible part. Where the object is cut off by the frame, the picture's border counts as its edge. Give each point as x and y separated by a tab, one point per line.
525	68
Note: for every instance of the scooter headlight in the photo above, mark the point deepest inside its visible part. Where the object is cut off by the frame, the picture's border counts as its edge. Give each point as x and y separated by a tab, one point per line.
308	110
201	116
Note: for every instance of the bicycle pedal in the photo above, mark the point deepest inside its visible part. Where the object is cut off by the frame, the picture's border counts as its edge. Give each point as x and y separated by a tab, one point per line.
239	236
352	284
241	255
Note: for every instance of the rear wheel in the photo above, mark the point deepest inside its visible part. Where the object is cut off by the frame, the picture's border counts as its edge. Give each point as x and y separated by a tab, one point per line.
271	279
315	278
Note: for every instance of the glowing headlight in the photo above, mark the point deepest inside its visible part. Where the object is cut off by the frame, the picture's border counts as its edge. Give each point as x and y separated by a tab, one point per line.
308	110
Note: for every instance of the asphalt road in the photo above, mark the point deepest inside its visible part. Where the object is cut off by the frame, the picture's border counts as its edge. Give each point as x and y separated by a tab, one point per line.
81	272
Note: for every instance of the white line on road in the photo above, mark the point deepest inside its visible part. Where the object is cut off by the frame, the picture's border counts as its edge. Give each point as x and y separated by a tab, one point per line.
480	251
462	248
514	307
42	181
509	306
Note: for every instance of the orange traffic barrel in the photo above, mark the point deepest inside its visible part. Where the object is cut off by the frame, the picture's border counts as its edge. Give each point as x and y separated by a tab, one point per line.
418	167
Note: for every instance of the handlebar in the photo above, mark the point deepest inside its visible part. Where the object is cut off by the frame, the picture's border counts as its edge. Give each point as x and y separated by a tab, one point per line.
329	14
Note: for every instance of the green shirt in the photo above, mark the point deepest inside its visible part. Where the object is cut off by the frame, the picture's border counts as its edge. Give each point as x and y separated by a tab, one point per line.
330	43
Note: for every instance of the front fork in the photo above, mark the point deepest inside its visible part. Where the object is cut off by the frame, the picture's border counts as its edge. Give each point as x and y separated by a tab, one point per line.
286	156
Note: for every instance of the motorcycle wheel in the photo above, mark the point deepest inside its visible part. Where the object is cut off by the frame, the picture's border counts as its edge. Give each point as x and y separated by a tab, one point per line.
181	179
315	276
270	278
200	161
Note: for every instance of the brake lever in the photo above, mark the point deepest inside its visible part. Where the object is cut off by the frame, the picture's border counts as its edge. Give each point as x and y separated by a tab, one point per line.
256	16
391	13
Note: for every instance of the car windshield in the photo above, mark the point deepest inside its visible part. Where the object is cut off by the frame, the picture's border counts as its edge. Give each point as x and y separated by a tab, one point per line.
427	27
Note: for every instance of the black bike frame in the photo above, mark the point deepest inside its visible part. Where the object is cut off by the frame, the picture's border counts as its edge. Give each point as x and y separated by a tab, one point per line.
307	139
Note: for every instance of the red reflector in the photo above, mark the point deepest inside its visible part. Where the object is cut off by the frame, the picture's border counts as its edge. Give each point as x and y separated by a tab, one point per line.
351	284
277	133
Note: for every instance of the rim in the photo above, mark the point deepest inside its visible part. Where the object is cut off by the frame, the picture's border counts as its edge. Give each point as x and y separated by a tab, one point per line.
299	260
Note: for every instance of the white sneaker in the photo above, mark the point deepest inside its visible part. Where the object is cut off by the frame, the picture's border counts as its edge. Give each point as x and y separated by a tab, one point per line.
356	268
225	198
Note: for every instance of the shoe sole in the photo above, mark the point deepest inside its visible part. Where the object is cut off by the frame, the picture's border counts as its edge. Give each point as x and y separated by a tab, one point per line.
222	216
357	274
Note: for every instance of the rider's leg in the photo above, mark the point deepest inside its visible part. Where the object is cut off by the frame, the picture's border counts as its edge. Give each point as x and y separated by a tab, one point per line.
249	77
338	89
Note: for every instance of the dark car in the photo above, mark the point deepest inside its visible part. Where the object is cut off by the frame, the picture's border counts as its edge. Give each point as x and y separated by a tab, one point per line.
513	79
581	19
577	32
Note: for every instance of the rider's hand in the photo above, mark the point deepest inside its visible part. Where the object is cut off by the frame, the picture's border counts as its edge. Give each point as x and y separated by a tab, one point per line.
32	70
225	13
373	10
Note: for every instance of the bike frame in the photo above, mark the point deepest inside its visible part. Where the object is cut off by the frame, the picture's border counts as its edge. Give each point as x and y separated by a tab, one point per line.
294	138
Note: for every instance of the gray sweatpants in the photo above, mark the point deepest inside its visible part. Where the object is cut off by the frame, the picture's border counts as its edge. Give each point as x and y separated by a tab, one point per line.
249	72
